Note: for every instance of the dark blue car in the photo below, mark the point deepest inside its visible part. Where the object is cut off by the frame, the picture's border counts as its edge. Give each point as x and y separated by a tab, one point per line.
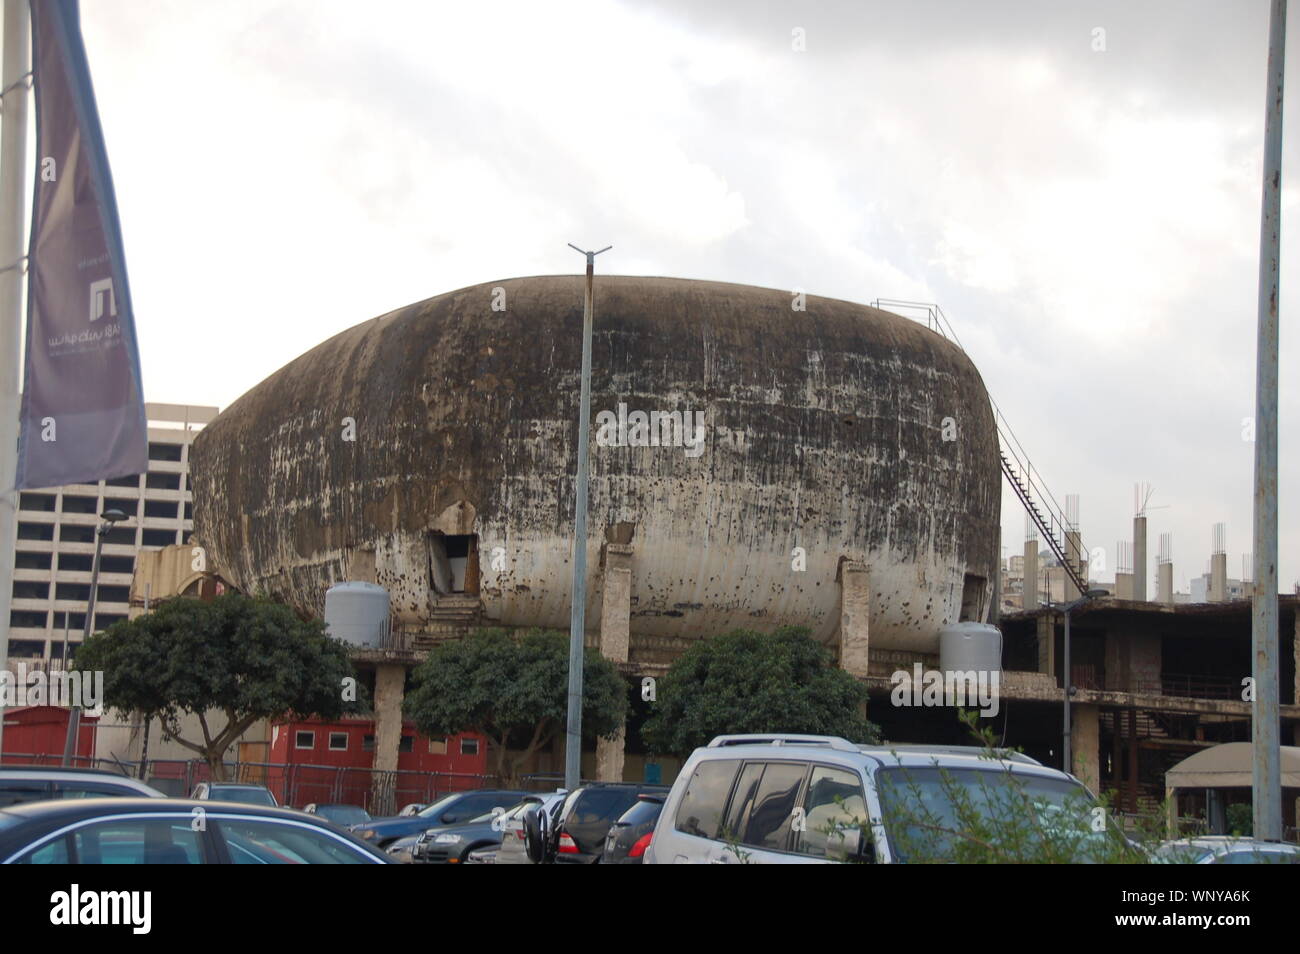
449	810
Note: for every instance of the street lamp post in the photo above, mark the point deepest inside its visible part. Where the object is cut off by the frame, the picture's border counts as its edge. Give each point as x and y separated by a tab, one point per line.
578	609
110	517
1065	680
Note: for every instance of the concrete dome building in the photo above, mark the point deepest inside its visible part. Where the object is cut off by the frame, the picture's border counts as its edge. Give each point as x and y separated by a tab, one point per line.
748	460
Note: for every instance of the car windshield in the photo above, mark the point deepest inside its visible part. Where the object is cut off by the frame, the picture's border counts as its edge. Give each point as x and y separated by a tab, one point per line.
344	814
955	814
437	807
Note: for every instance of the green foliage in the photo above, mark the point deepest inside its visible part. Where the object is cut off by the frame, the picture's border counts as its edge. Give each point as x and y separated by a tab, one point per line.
754	682
502	685
1241	819
248	658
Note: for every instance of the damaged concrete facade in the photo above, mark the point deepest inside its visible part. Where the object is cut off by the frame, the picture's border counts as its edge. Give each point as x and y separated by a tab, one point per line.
849	479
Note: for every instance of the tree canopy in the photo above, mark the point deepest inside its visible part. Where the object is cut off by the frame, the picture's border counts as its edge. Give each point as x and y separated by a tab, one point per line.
248	658
505	686
753	682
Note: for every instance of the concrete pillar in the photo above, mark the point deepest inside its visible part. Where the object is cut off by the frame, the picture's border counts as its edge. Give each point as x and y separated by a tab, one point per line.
1030	587
1123	586
1140	568
1074	553
1047	644
390	686
855	605
615	638
1165	593
1085	745
1218	578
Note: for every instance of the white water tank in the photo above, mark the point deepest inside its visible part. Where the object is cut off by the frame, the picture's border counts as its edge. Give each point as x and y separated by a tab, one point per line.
964	647
357	613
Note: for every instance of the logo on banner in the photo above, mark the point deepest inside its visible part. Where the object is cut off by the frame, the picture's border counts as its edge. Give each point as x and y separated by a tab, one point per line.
99	291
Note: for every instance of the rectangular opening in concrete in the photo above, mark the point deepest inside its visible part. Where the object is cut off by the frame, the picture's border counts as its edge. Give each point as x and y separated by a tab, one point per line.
454	563
972	599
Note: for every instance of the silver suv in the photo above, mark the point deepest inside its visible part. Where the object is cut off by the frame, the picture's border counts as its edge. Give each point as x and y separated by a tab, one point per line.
805	799
37	784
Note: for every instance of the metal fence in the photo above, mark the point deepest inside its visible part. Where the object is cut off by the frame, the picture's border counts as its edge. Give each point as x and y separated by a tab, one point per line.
297	785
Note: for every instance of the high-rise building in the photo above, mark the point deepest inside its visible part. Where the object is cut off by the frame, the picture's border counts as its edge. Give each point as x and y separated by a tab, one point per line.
56	538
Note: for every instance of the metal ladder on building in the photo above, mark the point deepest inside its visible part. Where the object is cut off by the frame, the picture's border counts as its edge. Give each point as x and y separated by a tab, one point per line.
1033	494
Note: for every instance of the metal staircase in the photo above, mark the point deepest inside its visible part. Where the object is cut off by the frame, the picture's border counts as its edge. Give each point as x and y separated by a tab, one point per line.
1033	494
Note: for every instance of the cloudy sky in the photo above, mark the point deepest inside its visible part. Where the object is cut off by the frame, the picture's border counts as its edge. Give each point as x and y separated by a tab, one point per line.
1076	184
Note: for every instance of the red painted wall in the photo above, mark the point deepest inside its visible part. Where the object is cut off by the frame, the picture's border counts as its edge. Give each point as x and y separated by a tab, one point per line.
41	731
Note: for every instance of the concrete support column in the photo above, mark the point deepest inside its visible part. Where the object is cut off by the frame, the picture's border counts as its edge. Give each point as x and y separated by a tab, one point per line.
1165	583
1085	745
1030	587
615	638
390	686
1140	568
855	606
1124	586
1218	578
1046	644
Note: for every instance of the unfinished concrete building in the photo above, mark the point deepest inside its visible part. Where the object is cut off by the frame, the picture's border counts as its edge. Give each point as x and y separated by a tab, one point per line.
759	459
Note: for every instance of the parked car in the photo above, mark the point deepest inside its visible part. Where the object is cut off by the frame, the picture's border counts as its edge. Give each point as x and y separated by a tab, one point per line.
1226	850
345	816
452	844
37	784
737	799
164	831
588	814
514	847
234	792
629	837
448	810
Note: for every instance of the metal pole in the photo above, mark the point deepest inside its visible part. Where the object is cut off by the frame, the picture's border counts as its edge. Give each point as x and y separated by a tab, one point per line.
13	186
144	747
1266	774
578	609
74	714
1065	744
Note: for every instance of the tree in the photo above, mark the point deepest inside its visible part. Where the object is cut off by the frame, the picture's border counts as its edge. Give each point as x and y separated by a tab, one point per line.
249	658
753	682
502	686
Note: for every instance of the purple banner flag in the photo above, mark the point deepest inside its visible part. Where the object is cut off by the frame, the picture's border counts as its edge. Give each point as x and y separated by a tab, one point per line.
83	412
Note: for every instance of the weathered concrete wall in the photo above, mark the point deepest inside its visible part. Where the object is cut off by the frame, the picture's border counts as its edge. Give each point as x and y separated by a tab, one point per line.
824	429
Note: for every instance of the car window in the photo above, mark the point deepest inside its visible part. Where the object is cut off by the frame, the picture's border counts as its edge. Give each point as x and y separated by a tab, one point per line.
643	812
266	842
599	805
834	807
1258	856
482	804
51	853
742	802
91	790
17	792
248	796
772	814
138	841
705	798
